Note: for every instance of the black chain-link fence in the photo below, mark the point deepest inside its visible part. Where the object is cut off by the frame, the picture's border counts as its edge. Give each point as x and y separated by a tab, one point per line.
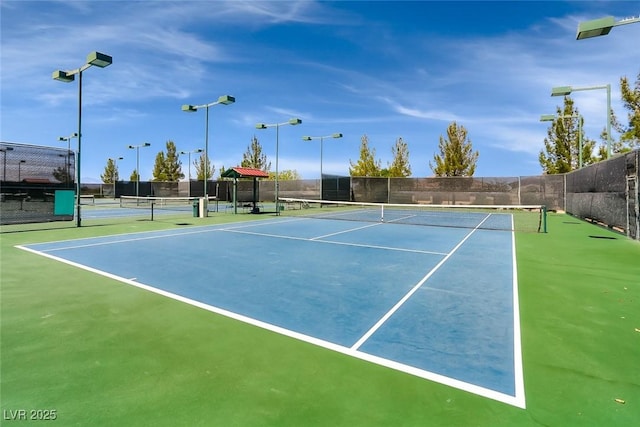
529	190
607	193
33	177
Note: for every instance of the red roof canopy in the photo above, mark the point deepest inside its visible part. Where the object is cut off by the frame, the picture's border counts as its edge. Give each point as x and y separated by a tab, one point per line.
240	172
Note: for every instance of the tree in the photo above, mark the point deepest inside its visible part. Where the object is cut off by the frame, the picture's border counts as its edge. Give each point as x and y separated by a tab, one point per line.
285	175
561	151
168	168
110	174
616	146
201	164
254	158
456	157
172	163
399	167
61	174
366	164
630	134
134	176
159	173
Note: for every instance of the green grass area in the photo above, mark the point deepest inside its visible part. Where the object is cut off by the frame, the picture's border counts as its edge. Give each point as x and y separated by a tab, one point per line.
102	353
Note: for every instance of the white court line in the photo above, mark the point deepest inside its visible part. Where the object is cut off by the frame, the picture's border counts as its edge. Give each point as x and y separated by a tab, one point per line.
401	218
518	400
413	290
230	229
431	376
346	231
133	239
447	291
172	233
334	242
518	371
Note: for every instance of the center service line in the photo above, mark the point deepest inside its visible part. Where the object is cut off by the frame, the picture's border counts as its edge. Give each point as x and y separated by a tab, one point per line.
413	290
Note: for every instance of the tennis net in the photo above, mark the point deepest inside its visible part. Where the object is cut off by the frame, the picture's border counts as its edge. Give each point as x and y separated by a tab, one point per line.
167	203
529	218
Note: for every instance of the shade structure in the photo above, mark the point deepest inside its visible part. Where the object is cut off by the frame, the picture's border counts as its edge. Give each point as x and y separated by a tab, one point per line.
241	172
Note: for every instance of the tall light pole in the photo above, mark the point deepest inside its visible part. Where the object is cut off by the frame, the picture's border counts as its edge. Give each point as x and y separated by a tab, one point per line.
601	26
566	90
552	117
99	60
20	163
115	173
224	100
321	138
291	122
4	161
68	141
197	150
137	148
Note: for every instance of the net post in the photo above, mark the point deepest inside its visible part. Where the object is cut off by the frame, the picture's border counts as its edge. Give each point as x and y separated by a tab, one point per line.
544	218
152	203
381	213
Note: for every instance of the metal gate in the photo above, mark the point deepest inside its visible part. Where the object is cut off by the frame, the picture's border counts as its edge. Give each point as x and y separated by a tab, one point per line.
633	207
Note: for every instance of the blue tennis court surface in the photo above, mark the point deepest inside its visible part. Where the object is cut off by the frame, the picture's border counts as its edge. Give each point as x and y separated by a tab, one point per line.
439	303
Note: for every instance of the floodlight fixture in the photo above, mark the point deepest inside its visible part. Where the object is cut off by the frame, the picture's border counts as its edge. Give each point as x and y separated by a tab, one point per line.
197	150
292	122
137	148
4	168
115	171
188	108
566	90
97	59
601	26
20	163
63	76
561	91
321	138
68	139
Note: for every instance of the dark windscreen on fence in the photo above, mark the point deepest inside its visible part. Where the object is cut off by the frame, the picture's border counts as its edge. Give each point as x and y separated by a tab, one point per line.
33	177
545	190
607	193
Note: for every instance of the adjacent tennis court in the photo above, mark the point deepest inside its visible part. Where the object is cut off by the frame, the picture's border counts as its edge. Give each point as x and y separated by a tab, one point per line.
436	302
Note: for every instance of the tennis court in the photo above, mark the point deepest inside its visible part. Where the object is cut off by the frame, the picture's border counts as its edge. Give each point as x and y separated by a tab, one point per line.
287	320
438	303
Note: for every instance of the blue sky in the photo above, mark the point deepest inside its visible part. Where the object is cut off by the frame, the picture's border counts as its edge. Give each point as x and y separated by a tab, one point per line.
384	69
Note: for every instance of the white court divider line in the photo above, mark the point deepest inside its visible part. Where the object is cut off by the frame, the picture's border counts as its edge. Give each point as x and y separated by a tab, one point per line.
413	290
346	231
332	242
143	235
461	385
256	223
132	239
149	234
